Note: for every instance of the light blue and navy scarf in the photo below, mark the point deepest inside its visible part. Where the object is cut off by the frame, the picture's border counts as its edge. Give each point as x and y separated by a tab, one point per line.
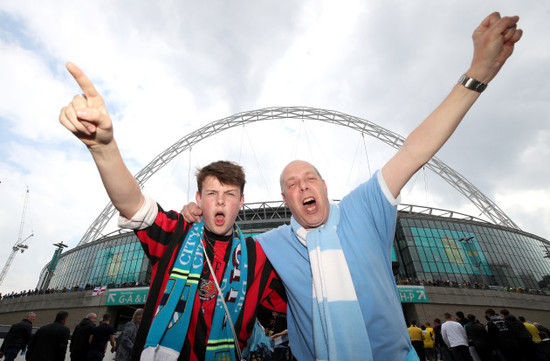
171	323
339	331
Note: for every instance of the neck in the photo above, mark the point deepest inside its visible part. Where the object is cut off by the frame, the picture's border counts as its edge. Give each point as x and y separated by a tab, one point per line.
217	237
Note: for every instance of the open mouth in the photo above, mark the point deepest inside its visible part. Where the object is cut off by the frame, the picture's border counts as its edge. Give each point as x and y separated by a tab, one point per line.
219	218
310	205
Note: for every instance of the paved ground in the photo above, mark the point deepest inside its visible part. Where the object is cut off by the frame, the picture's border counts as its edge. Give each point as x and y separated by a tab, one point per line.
108	356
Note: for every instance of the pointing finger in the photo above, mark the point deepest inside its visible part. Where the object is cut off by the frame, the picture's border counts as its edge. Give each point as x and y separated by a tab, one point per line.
85	84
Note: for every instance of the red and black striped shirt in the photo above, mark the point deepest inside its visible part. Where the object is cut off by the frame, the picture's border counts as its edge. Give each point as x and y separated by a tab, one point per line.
263	285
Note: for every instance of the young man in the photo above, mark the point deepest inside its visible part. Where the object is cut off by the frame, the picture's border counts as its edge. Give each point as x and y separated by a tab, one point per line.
353	240
455	337
99	338
189	318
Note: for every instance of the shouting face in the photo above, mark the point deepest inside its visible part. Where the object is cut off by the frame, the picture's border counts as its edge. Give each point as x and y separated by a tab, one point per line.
305	194
220	204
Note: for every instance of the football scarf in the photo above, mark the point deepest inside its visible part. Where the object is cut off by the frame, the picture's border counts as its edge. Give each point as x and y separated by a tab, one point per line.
339	332
171	323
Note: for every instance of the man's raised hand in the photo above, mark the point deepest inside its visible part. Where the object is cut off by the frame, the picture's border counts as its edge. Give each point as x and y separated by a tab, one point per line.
494	41
86	115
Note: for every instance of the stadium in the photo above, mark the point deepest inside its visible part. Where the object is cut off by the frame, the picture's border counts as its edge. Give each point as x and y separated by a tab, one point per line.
443	260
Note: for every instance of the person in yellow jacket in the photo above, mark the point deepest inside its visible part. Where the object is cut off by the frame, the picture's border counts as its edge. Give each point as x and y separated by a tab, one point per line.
534	331
417	337
429	341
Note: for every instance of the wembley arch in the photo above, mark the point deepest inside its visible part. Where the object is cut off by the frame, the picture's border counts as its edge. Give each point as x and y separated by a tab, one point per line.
457	181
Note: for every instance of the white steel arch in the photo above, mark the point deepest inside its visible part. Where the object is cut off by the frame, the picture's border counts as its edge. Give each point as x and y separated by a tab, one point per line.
460	183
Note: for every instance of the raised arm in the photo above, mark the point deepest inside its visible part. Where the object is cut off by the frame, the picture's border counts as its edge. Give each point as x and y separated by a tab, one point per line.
494	42
88	119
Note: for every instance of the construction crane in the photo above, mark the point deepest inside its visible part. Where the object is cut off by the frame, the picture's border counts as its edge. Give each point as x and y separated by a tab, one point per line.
19	245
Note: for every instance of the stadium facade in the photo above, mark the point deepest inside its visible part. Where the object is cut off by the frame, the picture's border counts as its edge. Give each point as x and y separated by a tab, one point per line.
480	263
430	245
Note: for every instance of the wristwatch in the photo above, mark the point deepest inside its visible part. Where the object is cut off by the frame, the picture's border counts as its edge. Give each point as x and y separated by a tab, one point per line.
471	83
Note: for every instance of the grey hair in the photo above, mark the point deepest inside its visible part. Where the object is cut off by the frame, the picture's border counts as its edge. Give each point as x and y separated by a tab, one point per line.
137	312
91	314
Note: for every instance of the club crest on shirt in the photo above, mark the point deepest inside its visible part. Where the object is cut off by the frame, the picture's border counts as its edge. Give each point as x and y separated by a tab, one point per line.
207	290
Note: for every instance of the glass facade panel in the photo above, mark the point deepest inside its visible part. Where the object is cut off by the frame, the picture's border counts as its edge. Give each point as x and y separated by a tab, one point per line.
425	247
450	249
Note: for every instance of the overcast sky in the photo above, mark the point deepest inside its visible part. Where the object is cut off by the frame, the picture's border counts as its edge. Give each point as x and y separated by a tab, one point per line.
168	68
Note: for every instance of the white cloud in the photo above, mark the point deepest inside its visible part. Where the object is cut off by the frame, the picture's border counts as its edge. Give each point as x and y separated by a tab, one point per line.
166	69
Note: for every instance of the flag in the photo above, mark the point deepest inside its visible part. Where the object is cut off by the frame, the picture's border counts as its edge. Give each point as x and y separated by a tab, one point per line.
99	290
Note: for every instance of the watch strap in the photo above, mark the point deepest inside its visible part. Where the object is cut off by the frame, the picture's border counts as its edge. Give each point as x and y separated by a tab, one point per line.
471	83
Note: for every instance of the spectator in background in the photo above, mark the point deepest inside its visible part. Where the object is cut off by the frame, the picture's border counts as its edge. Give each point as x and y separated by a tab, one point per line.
98	339
541	328
440	346
80	340
501	337
417	339
280	337
535	334
126	340
478	338
18	337
50	341
531	328
429	342
455	337
525	341
460	318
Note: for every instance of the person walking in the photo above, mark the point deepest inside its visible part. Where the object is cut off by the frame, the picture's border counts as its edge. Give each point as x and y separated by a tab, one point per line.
441	348
478	338
99	337
417	339
125	342
524	338
429	342
501	337
50	341
18	337
80	340
456	339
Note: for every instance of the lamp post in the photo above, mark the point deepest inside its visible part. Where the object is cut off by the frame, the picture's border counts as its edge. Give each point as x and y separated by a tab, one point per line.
53	264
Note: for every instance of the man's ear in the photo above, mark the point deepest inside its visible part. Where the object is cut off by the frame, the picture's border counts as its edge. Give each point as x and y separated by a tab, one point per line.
198	198
284	198
242	201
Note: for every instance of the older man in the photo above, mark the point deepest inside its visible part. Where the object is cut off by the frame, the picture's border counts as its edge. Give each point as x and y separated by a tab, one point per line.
18	337
344	251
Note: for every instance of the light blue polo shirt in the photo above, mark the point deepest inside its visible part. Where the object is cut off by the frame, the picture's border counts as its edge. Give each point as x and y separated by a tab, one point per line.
366	231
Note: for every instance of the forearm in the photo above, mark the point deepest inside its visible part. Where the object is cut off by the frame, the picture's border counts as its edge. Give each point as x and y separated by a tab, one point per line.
122	188
424	142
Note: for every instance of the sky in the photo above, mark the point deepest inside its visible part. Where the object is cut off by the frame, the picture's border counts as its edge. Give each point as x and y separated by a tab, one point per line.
168	68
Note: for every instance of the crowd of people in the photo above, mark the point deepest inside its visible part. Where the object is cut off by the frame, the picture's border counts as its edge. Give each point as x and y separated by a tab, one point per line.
503	337
88	342
76	288
474	285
